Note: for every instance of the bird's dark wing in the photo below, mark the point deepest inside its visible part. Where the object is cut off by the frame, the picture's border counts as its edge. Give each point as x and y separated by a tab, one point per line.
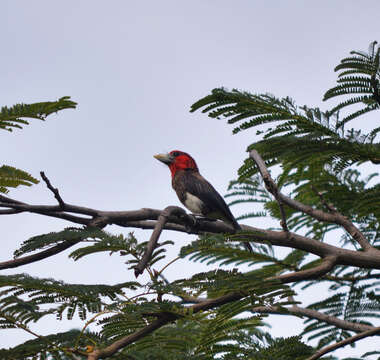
214	204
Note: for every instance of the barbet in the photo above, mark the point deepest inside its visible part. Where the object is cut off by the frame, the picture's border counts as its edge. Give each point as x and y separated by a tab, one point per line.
194	191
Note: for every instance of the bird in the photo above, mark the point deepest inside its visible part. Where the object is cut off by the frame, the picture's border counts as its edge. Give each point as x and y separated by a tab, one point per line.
194	191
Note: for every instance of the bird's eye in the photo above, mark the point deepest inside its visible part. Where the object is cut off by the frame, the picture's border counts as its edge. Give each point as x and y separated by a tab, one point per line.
175	153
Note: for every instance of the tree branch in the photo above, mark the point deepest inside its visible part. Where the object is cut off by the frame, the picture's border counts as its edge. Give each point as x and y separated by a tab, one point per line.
9	212
54	190
313	314
329	207
160	223
38	256
327	264
320	215
146	219
270	185
48	252
345	342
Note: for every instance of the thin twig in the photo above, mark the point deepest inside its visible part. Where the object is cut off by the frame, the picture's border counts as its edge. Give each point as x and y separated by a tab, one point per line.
167	265
121	343
328	206
53	190
88	323
163	319
23	327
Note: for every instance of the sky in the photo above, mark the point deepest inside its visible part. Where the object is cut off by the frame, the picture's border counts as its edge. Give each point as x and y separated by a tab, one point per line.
135	68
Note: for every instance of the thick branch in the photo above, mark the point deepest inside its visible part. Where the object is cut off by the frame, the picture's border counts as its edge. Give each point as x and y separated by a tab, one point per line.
145	219
320	215
345	342
9	212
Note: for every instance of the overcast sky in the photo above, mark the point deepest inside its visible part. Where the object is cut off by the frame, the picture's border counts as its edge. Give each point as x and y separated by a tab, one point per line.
135	68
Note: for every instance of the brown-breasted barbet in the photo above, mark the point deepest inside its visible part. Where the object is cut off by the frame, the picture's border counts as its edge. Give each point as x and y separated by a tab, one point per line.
194	191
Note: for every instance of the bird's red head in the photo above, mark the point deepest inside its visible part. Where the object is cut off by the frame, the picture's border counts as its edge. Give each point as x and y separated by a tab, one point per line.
177	160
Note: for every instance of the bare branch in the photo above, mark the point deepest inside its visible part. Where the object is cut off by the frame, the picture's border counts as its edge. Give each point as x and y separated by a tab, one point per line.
313	314
161	221
39	256
320	215
146	219
9	212
270	185
345	342
53	190
6	199
327	264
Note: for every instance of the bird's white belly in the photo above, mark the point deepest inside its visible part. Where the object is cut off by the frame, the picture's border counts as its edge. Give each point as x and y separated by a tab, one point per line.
193	203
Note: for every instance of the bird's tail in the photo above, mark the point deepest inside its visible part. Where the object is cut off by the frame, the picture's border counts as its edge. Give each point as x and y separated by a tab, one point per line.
247	245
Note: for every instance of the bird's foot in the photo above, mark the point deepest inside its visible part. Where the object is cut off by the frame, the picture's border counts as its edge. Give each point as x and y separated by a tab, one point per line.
190	223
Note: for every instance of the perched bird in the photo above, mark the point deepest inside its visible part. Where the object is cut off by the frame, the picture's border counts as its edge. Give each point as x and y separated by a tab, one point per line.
194	191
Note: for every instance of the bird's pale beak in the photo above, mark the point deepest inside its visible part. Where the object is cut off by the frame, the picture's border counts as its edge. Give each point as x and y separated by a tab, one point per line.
165	158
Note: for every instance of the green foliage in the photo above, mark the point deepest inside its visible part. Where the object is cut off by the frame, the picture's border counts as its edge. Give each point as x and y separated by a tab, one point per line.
12	177
52	347
102	241
16	115
352	303
43	241
360	74
72	298
284	349
318	162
